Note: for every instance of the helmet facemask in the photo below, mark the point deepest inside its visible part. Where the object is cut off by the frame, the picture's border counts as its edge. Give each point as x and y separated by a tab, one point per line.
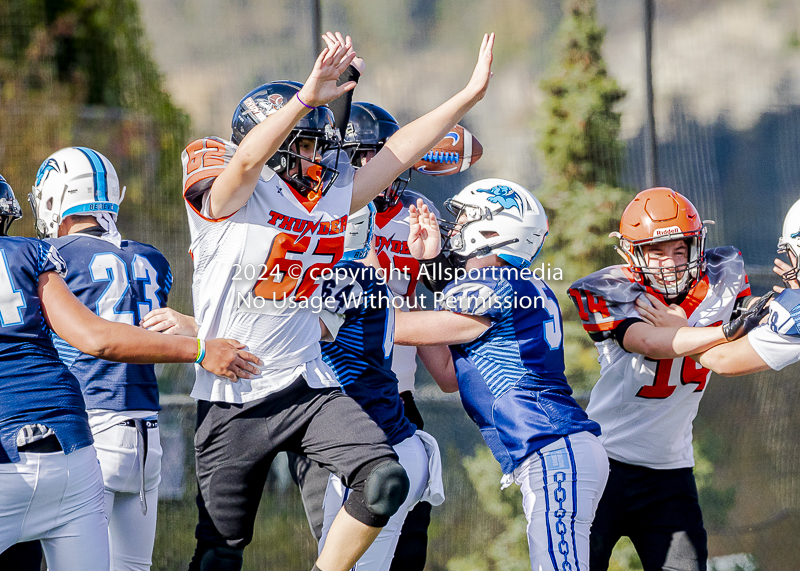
308	173
671	281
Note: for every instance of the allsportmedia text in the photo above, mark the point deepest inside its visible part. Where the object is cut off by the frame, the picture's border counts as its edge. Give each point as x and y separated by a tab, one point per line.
436	273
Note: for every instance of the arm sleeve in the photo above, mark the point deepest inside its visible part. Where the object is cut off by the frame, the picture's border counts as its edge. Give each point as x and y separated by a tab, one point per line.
341	105
618	333
437	273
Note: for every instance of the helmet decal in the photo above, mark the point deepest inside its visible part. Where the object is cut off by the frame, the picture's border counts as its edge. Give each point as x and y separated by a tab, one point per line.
495	216
47	166
254	109
504	196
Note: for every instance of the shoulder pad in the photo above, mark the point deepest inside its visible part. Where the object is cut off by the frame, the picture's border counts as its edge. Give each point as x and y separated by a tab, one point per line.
784	313
605	298
205	159
725	268
482	297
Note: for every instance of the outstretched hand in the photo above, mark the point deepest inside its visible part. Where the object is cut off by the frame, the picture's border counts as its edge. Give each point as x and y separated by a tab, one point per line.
658	314
331	38
320	87
424	239
479	81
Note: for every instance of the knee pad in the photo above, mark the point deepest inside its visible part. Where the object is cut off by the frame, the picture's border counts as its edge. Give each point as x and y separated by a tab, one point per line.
219	558
379	489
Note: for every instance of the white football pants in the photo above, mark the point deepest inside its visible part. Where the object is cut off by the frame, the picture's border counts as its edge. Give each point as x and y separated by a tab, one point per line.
378	557
561	486
131	533
58	499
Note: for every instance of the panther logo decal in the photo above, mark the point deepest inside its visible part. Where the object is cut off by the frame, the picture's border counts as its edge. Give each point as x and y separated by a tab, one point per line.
504	196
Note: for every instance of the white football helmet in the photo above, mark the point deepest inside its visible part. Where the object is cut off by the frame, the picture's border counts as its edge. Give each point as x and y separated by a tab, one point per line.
790	240
75	180
496	216
359	232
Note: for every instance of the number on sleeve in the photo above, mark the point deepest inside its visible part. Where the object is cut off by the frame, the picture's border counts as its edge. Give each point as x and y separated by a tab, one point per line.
11	300
552	327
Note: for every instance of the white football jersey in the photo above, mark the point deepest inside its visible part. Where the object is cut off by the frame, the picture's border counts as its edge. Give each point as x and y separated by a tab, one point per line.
777	341
402	270
256	271
646	407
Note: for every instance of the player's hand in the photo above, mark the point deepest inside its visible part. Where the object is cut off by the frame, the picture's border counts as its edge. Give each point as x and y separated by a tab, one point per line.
320	87
782	268
424	239
225	358
330	38
479	81
748	320
171	322
658	314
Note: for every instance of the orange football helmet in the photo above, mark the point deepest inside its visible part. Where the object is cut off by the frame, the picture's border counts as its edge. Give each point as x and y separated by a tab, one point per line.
660	215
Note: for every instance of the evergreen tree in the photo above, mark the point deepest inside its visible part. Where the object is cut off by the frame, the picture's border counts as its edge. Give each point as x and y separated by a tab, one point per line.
582	155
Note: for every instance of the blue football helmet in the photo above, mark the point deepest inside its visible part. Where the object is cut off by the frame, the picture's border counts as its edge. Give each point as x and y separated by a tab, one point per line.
369	128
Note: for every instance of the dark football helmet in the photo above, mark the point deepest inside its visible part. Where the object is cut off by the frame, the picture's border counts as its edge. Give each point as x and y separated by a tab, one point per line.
317	125
369	128
9	207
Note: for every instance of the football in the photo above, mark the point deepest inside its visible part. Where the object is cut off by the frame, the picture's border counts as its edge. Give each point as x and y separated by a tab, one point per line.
455	153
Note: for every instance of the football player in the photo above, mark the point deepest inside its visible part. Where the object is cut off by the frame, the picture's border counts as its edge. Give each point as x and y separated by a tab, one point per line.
368	130
506	358
51	488
361	358
267	214
649	389
121	280
776	343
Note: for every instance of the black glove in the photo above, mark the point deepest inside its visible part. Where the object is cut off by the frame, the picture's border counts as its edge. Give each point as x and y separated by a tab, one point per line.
748	320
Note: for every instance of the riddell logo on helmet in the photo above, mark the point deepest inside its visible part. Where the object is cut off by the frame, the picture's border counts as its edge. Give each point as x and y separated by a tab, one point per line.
666	231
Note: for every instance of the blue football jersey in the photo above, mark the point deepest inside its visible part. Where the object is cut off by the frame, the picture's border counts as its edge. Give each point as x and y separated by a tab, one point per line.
511	378
361	355
119	284
35	386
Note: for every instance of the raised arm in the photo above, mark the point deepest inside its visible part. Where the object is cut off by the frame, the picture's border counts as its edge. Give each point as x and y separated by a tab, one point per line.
81	328
235	185
411	142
